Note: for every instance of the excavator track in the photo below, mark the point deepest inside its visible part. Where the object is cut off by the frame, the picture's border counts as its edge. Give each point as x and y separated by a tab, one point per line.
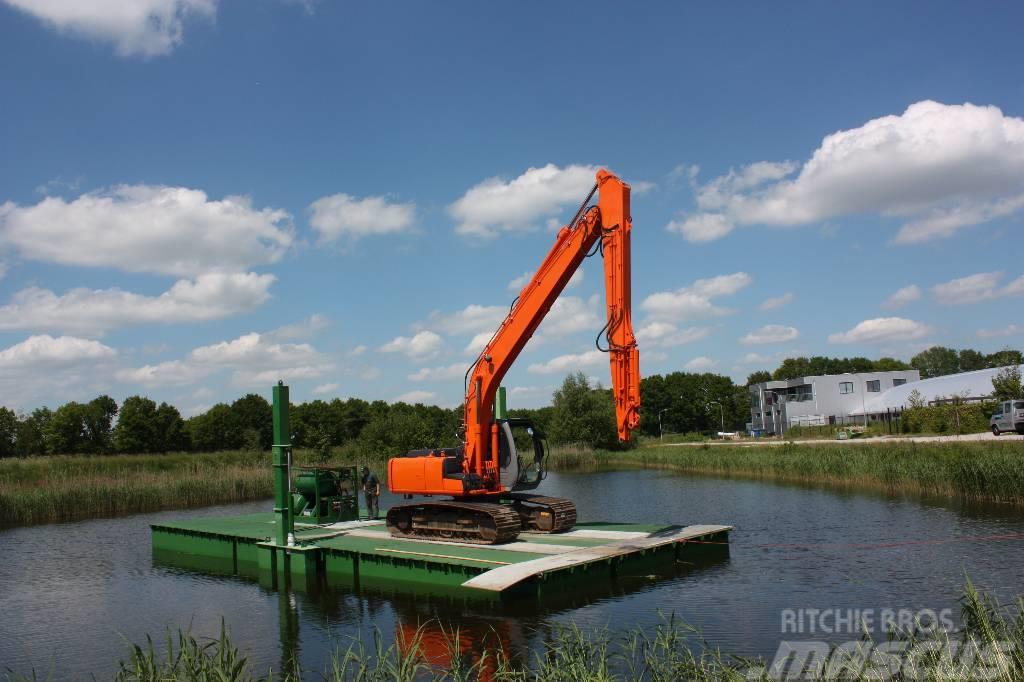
483	523
539	514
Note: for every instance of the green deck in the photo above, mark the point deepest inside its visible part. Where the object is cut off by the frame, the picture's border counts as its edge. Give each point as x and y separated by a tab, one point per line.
358	554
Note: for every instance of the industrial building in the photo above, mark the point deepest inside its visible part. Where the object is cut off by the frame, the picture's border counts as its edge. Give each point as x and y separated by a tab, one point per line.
966	386
820	400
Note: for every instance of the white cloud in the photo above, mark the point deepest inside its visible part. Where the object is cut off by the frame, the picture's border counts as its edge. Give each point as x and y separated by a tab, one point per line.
1008	330
256	359
497	205
344	216
422	345
49	353
143	228
456	371
470	320
44	367
170	373
357	351
882	329
777	302
324	389
982	286
902	297
664	334
300	330
771	333
568	315
477	343
754	359
414	397
940	167
94	311
517	284
695	300
145	28
700	363
568	363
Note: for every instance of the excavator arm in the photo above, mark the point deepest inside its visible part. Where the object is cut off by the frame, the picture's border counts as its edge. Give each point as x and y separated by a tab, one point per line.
606	227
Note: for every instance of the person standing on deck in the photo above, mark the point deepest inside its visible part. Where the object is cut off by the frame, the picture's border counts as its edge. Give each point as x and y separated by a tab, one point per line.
371	490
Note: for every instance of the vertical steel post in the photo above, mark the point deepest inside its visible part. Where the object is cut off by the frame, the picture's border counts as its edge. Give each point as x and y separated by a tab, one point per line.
500	406
282	444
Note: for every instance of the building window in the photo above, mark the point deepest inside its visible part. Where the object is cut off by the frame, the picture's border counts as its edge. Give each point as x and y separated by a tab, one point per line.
898	382
845	387
874	386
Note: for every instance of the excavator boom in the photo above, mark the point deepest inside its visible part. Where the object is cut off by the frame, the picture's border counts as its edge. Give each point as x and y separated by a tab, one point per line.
475	469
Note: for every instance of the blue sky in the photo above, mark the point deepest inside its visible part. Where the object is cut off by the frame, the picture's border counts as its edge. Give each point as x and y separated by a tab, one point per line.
200	196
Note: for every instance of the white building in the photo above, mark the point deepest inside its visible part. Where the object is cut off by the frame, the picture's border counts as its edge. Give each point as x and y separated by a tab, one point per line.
968	386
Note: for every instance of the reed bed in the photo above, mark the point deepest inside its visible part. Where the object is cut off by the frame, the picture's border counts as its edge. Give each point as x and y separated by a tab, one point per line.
671	651
50	489
983	471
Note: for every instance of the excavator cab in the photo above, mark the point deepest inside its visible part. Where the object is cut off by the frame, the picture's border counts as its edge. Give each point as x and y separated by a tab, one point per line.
521	452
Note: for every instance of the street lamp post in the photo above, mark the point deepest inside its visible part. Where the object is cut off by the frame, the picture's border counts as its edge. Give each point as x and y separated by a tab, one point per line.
722	410
661	431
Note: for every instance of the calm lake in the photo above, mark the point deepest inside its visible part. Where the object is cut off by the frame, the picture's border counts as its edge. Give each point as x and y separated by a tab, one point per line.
73	594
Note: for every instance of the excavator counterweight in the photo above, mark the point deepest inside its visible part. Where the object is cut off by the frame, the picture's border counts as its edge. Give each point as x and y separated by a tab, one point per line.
484	477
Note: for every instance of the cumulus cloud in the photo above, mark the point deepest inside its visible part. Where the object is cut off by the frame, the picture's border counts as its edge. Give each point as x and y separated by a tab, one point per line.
456	371
95	311
46	352
301	330
477	343
144	228
569	363
44	366
170	373
777	302
939	167
472	319
145	28
882	329
695	300
414	397
902	297
324	389
568	315
982	286
344	216
255	359
771	333
496	205
1008	330
422	345
700	363
517	284
665	334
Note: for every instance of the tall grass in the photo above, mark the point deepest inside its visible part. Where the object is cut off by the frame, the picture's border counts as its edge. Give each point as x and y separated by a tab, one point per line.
63	488
670	651
985	471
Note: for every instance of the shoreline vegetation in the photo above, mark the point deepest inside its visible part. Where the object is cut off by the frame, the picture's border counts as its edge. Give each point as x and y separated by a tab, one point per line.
988	645
66	488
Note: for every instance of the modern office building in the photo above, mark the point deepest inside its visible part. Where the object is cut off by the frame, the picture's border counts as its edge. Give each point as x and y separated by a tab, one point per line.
819	400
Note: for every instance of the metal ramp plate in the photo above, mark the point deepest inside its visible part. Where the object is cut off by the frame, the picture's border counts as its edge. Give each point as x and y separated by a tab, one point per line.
505	577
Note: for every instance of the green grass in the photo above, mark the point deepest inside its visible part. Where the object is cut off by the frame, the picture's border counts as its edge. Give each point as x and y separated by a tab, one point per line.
987	471
50	489
670	651
62	488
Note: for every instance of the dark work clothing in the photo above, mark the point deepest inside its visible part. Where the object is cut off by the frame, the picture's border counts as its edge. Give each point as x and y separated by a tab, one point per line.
370	485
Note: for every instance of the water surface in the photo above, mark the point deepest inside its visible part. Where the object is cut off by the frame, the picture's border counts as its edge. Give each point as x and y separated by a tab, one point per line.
71	594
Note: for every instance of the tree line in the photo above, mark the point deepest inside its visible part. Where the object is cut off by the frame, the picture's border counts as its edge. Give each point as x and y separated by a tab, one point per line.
936	361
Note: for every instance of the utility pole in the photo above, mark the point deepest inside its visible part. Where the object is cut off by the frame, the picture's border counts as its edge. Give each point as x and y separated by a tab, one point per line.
661	431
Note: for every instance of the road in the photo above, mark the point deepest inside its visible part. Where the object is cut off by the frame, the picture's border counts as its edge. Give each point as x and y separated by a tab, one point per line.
986	436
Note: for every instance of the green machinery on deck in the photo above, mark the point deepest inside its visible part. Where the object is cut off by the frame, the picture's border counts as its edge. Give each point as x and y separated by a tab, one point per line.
325	495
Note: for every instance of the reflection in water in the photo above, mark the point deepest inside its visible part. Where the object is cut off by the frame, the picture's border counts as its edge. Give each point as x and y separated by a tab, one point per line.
72	593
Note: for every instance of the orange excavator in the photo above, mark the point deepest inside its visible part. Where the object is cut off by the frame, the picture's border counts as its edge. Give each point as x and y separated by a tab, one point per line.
485	477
